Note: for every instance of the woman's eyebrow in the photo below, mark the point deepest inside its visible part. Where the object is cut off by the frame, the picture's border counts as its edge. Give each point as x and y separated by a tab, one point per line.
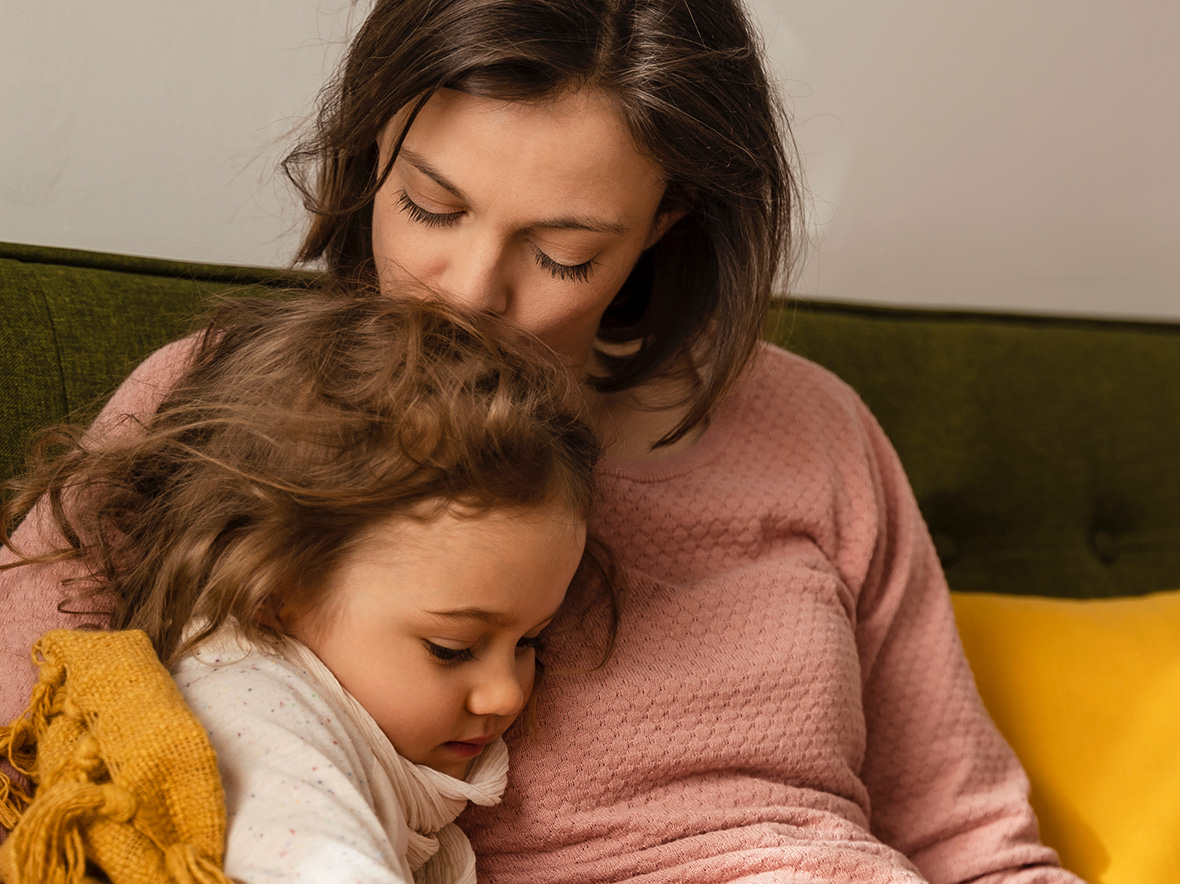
594	225
568	222
422	165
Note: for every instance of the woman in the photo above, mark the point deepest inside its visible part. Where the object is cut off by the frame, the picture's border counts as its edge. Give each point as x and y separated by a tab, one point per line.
787	700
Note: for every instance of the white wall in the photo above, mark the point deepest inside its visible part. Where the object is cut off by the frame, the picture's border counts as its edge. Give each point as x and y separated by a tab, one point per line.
154	126
1011	154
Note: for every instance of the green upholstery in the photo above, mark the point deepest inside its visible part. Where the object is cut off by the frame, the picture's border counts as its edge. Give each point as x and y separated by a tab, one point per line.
1045	453
73	324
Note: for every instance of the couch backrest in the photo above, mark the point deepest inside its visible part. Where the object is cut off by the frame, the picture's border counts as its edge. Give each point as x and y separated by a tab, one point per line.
75	323
1045	453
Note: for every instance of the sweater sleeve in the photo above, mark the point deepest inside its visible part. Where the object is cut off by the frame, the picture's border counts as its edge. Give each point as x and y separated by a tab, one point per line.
29	594
297	784
945	788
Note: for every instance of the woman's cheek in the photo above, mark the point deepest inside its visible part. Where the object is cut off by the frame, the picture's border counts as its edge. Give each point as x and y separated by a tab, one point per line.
405	259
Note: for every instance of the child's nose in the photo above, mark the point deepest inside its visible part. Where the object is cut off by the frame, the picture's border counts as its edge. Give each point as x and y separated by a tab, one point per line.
501	691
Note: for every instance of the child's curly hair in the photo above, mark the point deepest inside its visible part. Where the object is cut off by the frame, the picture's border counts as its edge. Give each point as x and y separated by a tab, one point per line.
301	422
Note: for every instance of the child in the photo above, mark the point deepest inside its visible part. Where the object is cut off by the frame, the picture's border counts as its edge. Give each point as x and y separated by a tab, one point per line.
344	531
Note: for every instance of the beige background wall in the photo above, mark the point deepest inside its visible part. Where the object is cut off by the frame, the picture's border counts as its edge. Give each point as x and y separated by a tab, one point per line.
1009	154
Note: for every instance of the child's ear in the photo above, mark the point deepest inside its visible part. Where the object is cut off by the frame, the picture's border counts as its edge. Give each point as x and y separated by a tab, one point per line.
270	614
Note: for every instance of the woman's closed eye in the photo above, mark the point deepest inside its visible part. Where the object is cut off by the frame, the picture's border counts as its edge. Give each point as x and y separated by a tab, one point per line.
574	272
564	272
430	219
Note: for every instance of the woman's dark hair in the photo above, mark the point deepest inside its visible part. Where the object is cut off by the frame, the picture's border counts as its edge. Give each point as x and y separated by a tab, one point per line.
301	424
688	79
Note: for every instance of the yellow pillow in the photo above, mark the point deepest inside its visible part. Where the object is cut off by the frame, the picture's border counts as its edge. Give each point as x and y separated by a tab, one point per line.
1088	694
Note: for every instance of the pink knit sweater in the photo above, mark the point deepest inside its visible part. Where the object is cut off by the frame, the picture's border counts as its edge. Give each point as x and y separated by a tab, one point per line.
788	700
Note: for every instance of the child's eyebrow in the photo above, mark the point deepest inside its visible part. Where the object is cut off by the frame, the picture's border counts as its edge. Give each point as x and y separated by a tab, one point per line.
492	618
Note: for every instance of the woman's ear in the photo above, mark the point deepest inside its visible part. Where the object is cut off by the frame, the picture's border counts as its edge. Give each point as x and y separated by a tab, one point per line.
664	221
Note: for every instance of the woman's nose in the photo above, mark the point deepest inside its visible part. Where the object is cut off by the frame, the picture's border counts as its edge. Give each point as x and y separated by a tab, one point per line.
476	277
499	691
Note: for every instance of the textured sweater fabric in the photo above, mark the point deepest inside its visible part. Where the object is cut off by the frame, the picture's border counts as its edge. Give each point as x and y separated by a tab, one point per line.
314	791
788	700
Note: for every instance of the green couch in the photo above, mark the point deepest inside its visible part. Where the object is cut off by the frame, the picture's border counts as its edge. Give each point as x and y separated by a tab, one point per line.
1044	452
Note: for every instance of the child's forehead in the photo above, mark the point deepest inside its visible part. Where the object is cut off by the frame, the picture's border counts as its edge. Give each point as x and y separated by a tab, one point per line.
433	522
494	571
457	559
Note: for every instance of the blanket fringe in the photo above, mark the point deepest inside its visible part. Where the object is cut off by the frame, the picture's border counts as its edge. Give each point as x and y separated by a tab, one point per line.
47	846
18	740
186	864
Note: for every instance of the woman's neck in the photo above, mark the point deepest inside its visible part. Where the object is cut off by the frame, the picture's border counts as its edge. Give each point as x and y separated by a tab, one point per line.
630	422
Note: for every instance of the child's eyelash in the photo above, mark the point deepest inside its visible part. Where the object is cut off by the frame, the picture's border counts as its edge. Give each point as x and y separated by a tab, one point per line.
448	655
577	272
430	219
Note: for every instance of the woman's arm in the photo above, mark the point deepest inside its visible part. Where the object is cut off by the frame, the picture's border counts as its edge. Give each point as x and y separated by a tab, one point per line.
30	594
946	789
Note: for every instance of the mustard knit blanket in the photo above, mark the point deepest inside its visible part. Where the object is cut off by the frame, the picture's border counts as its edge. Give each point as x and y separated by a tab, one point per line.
127	785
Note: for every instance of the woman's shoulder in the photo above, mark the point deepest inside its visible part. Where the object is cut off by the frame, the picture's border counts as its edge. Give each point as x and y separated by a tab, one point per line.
160	371
146	387
789	393
785	369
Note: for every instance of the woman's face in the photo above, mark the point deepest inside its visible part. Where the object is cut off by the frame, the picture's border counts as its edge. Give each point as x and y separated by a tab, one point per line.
535	211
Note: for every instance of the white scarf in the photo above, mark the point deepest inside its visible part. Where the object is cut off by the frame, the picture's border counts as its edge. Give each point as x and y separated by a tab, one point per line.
438	851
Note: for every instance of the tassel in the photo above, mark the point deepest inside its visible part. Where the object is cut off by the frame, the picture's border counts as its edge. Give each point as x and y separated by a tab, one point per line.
46	693
47	844
16	746
187	865
18	740
13	801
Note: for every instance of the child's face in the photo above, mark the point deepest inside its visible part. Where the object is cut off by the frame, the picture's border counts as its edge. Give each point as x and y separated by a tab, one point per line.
430	625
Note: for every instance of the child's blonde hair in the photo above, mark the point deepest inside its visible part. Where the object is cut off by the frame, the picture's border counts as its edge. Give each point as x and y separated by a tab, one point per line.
302	422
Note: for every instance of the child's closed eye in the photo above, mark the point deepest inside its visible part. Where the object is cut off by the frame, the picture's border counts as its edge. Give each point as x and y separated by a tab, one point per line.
448	655
531	642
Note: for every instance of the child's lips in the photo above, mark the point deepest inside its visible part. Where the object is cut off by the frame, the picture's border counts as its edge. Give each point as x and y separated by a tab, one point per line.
469	748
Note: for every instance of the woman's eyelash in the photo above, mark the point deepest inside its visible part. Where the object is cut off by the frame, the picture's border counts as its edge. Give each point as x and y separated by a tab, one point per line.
566	272
449	655
430	219
534	642
577	272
